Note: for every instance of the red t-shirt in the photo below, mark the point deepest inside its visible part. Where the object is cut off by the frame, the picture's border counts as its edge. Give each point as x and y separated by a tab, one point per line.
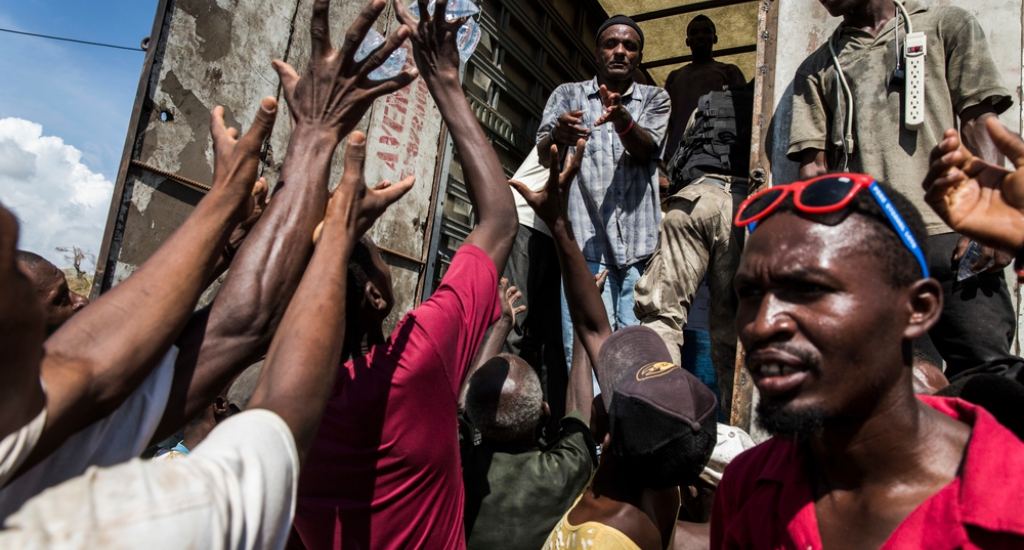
765	500
384	469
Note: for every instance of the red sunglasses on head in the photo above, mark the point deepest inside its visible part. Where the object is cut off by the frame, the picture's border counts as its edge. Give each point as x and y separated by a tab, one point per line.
824	194
820	195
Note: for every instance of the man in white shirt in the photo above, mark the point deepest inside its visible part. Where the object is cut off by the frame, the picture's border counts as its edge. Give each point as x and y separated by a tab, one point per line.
237	490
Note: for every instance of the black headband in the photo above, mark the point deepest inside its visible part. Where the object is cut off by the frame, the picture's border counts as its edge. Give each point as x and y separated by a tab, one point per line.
621	20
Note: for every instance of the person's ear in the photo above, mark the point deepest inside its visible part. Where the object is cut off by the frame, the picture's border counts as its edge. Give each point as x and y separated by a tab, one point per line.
545	412
925	301
373	297
715	41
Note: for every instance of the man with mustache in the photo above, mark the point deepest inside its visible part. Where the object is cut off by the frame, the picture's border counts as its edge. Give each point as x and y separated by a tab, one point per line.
829	307
614	209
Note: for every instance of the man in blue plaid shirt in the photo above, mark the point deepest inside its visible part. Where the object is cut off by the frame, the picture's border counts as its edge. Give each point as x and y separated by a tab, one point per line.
614	204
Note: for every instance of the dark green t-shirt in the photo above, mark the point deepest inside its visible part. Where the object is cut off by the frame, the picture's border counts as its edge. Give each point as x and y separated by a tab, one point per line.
959	73
514	500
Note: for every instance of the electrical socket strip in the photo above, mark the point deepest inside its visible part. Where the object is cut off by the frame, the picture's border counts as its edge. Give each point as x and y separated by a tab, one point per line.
915	51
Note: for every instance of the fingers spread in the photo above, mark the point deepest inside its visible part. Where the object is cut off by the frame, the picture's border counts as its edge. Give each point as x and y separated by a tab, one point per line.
289	78
261	127
1009	144
424	14
381	54
320	28
218	130
395	83
576	161
355	156
440	11
357	32
403	15
393	192
520	188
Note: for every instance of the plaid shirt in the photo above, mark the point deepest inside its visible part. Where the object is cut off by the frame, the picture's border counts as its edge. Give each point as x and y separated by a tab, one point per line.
614	208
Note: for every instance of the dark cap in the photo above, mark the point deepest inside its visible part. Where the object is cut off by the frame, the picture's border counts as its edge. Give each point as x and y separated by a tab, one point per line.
624	351
662	419
620	20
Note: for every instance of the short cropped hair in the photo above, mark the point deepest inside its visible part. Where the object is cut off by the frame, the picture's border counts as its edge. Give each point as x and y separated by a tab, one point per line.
884	243
504	400
29	259
701	18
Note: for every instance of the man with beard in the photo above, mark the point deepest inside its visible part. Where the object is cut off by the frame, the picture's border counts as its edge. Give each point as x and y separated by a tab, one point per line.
830	304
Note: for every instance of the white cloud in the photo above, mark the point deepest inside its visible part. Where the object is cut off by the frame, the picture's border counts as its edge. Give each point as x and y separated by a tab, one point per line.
57	199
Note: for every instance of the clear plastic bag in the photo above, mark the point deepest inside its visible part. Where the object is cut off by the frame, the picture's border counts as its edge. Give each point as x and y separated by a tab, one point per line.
469	33
966	268
391	67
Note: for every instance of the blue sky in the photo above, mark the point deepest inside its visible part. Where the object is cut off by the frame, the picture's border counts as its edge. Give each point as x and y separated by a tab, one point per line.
80	94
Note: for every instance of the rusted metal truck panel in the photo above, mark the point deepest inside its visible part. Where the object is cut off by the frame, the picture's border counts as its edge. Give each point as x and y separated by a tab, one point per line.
205	53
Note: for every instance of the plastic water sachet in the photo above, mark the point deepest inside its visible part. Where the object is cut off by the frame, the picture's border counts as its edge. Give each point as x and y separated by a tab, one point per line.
470	32
391	67
966	268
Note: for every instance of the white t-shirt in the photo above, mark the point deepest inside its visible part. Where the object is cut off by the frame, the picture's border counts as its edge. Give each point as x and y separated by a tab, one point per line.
535	177
121	436
235	491
16	447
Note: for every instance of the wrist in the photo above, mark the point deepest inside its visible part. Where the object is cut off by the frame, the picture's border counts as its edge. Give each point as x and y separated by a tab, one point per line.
625	125
224	205
309	138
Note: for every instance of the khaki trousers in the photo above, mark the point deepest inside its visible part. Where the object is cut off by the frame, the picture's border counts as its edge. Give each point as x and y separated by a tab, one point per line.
697	240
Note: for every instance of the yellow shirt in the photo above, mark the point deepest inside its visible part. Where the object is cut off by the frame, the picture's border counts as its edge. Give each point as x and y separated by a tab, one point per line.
591	534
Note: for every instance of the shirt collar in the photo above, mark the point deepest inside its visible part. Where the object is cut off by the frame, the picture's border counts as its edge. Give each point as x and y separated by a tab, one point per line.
988	487
593	88
913	7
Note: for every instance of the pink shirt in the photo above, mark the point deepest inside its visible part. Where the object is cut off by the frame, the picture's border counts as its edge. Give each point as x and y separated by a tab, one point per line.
384	469
765	500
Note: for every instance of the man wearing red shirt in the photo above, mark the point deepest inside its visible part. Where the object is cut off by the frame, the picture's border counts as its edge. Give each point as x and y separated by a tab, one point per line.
830	305
384	470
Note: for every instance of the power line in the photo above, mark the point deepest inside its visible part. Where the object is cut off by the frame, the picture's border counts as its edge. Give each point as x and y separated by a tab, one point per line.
86	42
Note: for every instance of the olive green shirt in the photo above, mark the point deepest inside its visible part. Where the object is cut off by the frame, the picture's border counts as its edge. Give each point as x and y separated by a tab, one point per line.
513	500
959	73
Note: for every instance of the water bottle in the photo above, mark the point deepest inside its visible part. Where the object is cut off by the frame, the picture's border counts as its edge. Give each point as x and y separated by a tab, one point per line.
966	269
391	67
469	34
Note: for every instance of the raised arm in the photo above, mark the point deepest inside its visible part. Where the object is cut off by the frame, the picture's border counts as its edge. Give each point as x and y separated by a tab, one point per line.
579	396
638	141
437	57
497	334
980	200
21	337
299	373
551	205
99	356
325	105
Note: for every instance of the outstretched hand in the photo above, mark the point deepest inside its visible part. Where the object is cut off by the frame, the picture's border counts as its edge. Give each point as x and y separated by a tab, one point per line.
434	40
600	280
336	90
978	199
509	296
552	203
354	207
614	111
237	159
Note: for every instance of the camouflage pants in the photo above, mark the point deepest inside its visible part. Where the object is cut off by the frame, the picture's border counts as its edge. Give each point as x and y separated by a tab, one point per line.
697	240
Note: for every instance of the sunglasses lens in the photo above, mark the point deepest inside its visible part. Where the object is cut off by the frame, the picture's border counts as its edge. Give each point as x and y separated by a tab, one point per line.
761	203
826	192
